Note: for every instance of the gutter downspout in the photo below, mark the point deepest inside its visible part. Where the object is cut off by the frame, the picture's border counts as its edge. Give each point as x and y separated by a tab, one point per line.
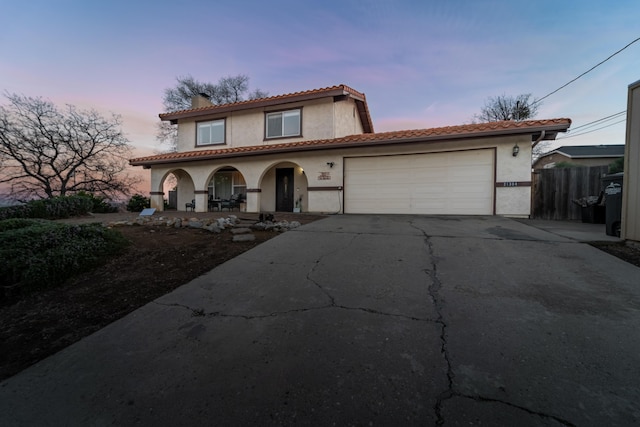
537	141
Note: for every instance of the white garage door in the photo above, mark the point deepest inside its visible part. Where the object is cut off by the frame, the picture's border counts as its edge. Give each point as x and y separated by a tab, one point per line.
438	183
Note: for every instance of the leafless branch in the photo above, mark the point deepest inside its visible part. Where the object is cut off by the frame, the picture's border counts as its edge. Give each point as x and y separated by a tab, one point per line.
48	151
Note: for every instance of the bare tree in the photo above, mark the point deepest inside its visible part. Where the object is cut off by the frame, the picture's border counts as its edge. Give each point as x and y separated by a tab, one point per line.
229	89
47	151
505	107
539	150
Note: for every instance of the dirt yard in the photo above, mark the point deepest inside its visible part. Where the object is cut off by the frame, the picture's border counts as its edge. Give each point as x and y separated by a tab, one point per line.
158	260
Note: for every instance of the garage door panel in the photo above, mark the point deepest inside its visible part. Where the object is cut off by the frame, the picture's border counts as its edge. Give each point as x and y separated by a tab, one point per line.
436	183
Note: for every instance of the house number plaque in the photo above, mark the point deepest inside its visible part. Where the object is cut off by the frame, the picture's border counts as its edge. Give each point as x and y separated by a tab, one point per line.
514	184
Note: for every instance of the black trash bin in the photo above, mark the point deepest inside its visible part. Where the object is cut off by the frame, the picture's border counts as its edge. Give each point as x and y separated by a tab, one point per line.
613	202
594	214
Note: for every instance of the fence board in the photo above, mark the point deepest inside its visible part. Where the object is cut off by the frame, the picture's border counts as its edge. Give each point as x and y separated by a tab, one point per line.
554	190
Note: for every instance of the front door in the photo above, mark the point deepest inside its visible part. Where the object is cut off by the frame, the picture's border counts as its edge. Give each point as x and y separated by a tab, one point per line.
284	190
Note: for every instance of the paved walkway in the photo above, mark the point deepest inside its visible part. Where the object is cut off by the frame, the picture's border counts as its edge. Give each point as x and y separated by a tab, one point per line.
575	230
365	320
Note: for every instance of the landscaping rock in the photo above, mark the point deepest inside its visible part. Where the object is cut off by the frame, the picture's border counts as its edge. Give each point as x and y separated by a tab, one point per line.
215	225
240	230
213	228
244	238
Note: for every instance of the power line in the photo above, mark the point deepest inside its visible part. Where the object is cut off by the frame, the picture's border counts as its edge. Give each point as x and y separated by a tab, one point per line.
586	72
604	119
593	130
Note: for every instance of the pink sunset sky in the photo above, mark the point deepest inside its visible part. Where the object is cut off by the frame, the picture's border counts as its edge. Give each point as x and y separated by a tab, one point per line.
421	64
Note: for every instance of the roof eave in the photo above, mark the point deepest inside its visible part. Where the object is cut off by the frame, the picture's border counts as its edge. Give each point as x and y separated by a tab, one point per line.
550	132
267	102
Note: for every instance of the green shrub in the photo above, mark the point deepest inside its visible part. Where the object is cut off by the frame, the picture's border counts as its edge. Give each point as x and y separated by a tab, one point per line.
41	254
98	203
617	165
16	223
565	165
138	202
16	211
54	208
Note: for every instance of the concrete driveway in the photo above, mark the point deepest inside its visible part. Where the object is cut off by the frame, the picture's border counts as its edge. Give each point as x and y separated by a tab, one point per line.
365	320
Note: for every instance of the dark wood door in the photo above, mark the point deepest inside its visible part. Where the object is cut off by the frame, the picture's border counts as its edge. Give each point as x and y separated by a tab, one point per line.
284	190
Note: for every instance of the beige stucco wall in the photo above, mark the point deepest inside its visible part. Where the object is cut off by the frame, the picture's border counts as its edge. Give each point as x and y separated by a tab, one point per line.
346	118
259	173
186	136
321	119
513	201
631	183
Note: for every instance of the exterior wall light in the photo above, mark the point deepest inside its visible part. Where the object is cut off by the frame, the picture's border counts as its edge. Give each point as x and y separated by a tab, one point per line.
330	164
516	150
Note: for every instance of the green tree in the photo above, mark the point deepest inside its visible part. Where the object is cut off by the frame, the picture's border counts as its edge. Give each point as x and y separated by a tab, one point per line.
617	165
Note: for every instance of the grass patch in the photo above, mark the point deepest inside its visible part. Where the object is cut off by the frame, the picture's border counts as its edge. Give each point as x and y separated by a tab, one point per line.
40	254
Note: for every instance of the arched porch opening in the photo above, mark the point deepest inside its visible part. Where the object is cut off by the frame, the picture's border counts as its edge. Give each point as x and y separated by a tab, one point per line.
226	188
284	188
170	189
178	189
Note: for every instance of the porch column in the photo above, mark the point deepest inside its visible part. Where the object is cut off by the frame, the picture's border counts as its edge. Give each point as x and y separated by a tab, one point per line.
253	199
202	202
157	200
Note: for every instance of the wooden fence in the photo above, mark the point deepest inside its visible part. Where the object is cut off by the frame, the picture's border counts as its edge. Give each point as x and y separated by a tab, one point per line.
554	190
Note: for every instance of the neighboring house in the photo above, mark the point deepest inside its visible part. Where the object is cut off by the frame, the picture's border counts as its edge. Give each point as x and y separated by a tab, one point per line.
581	155
631	180
317	150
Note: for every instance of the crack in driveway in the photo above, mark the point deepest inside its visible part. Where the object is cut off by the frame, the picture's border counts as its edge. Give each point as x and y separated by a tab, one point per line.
513	405
332	299
434	288
434	291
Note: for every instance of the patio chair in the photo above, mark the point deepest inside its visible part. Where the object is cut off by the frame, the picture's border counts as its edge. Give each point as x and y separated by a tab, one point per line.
191	205
213	204
232	203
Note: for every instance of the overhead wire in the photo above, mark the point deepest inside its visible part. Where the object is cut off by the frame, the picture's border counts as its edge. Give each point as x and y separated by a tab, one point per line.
603	119
583	129
592	130
586	72
598	121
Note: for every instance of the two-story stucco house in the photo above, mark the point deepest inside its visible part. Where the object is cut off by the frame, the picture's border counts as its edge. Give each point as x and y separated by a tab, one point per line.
317	150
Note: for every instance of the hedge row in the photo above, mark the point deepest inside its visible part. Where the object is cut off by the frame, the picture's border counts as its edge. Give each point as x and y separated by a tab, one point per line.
40	254
57	207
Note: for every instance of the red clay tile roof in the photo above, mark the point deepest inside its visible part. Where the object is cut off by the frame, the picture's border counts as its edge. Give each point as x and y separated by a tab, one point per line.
306	95
551	128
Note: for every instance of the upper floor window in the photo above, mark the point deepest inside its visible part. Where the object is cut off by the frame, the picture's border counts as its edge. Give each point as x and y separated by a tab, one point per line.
283	123
211	132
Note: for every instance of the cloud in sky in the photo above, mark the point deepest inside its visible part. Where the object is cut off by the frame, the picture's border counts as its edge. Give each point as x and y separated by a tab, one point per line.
421	64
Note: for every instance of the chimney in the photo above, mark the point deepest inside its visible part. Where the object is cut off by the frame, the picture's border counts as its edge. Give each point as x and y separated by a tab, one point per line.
201	100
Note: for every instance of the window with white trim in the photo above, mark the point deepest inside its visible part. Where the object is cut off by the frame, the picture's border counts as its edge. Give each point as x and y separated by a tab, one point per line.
211	132
283	124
